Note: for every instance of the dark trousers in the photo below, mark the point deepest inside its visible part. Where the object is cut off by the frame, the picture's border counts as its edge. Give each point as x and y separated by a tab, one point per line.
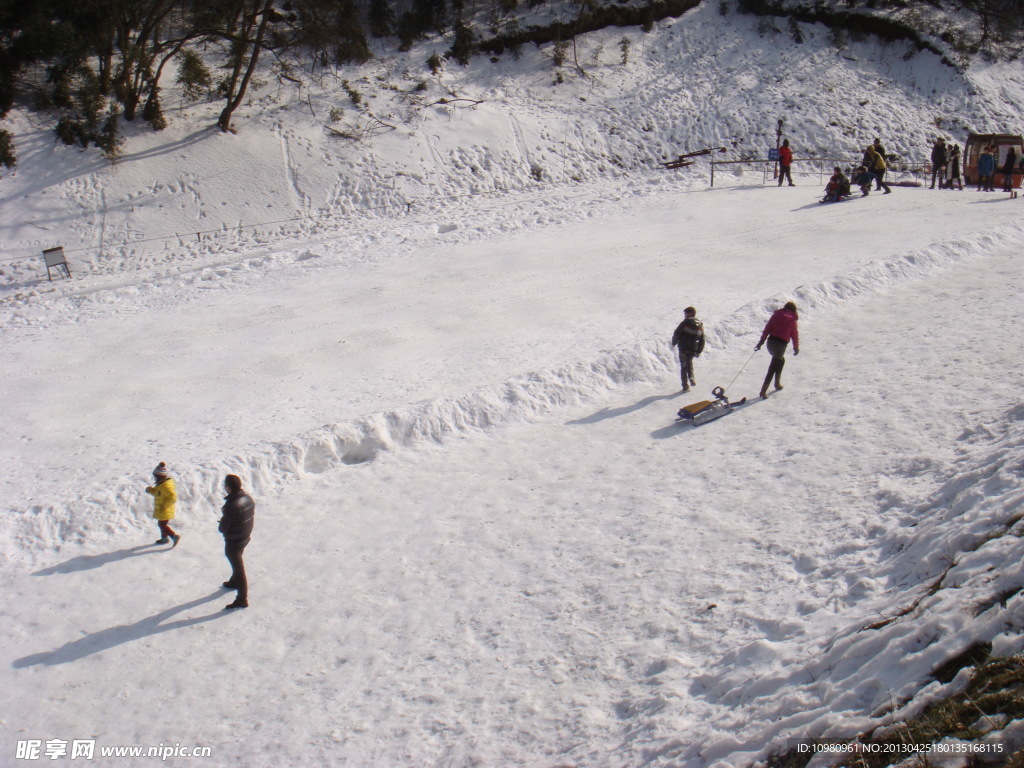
686	366
777	349
784	173
233	552
165	528
880	180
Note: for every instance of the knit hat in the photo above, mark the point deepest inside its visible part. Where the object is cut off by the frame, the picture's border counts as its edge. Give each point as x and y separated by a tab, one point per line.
161	470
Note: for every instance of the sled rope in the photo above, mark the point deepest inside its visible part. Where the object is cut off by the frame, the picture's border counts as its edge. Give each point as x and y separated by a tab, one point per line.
742	368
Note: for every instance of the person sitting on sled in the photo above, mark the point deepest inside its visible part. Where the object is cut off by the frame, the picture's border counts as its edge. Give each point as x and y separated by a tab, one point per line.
838	186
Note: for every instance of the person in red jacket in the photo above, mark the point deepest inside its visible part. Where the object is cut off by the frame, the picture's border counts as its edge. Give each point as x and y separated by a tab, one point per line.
785	161
779	331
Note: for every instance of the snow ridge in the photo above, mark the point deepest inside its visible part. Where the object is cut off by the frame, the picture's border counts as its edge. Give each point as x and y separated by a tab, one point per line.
107	512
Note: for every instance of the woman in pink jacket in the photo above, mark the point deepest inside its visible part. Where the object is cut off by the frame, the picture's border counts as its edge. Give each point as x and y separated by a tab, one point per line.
780	330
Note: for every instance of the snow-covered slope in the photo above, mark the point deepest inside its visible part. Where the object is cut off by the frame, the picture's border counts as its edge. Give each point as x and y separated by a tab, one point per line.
481	537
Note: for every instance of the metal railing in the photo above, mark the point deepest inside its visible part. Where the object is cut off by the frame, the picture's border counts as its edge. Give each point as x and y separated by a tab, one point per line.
819	167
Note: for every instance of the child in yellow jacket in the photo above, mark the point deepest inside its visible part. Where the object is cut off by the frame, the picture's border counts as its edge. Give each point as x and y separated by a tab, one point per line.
164	501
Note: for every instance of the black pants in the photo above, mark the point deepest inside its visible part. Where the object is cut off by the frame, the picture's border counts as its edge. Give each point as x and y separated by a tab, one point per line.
165	529
784	173
233	552
777	349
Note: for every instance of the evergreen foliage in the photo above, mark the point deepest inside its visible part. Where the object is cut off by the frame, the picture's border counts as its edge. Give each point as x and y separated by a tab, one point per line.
193	75
103	59
465	45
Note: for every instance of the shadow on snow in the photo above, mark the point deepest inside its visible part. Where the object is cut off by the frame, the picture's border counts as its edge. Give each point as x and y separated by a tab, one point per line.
88	562
106	639
611	413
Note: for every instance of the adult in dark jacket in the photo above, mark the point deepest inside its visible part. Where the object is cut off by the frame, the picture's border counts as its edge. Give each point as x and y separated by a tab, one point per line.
689	337
780	329
938	161
1009	166
236	525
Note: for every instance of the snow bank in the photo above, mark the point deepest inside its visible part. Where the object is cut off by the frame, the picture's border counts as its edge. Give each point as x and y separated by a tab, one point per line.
948	577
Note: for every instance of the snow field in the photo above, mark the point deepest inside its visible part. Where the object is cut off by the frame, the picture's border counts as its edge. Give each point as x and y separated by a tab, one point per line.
346	341
533	583
481	538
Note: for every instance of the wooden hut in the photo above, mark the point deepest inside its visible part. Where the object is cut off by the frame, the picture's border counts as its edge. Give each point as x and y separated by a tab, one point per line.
1002	142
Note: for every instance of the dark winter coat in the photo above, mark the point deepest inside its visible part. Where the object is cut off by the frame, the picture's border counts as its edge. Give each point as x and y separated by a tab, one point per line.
1011	162
939	154
986	164
689	336
237	516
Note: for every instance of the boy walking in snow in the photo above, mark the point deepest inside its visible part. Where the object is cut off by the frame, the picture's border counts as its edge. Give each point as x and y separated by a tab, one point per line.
689	337
164	503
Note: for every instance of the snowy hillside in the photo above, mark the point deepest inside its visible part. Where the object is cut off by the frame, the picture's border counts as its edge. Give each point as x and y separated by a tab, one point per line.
438	357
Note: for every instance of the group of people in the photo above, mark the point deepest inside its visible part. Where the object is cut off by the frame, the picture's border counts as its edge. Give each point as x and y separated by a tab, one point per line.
987	162
946	170
871	171
781	329
946	165
235	525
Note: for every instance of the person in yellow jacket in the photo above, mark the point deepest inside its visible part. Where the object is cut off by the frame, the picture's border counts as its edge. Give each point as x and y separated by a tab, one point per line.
876	165
164	502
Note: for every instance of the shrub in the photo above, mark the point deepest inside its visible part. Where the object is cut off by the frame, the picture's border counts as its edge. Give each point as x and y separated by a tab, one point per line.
7	156
193	76
560	53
